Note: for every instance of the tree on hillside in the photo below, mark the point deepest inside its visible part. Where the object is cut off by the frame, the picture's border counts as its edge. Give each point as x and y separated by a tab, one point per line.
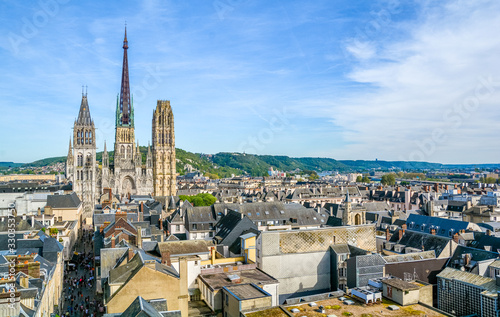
388	179
365	179
359	179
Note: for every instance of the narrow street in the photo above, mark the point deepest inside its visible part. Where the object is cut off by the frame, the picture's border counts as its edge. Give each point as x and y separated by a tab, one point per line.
80	299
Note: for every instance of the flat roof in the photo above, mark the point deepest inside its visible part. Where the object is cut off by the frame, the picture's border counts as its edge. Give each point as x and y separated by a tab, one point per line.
252	276
246	291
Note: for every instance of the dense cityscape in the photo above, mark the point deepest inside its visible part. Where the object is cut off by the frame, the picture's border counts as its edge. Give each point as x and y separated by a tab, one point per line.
114	228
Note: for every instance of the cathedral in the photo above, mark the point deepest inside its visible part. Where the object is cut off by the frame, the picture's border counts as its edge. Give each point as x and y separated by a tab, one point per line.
126	174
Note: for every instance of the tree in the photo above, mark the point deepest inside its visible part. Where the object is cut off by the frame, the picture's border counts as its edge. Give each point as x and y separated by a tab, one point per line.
202	199
212	175
388	179
366	179
359	179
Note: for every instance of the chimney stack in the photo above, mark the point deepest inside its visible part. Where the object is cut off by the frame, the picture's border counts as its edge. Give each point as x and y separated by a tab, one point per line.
433	231
401	232
404	227
130	254
387	234
113	241
455	237
139	237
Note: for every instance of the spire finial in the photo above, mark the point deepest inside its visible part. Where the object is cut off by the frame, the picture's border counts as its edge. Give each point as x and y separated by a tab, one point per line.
125	42
82	90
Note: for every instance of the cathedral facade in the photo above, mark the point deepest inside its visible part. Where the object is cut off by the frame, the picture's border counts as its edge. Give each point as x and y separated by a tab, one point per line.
125	174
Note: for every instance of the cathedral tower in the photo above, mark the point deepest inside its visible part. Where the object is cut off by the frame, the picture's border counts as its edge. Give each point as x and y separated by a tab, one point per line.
81	162
124	131
164	178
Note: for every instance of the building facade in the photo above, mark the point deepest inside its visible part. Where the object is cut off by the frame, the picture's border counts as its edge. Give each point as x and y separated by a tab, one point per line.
81	166
163	150
125	174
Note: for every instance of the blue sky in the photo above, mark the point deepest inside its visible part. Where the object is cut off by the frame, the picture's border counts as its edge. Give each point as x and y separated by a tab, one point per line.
393	80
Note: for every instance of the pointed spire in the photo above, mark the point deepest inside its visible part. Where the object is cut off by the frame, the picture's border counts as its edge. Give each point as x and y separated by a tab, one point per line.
105	150
347	198
84	114
70	149
125	104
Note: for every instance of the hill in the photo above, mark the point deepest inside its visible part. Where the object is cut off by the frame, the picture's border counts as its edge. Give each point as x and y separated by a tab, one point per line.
226	164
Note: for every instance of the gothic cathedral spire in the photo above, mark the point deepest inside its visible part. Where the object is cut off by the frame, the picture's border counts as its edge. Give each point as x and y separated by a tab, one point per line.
125	102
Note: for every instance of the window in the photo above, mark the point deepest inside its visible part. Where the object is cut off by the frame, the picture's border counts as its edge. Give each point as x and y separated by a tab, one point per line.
177	227
250	214
258	213
195	227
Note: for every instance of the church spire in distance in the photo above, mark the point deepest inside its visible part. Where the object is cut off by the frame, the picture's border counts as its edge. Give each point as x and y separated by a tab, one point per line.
125	104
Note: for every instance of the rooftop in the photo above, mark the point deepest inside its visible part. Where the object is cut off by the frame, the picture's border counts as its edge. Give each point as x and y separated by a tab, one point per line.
246	291
220	280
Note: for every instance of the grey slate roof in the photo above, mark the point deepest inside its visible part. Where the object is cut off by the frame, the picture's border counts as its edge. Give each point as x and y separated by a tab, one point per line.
64	201
418	240
140	308
443	226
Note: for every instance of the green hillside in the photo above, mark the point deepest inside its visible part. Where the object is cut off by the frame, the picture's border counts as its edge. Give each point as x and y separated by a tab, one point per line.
225	164
258	165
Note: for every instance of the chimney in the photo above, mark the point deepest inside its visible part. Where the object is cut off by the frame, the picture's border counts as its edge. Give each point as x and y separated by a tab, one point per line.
130	254
161	224
142	206
455	237
436	187
25	282
139	237
433	231
331	210
319	209
183	287
165	258
488	232
32	221
113	241
404	227
43	219
447	187
401	232
387	234
467	259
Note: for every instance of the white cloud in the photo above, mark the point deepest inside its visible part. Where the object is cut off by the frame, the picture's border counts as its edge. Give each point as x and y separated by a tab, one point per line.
423	84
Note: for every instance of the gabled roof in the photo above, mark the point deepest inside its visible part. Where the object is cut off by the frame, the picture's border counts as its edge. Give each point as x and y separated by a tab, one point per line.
64	201
422	241
140	308
443	226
